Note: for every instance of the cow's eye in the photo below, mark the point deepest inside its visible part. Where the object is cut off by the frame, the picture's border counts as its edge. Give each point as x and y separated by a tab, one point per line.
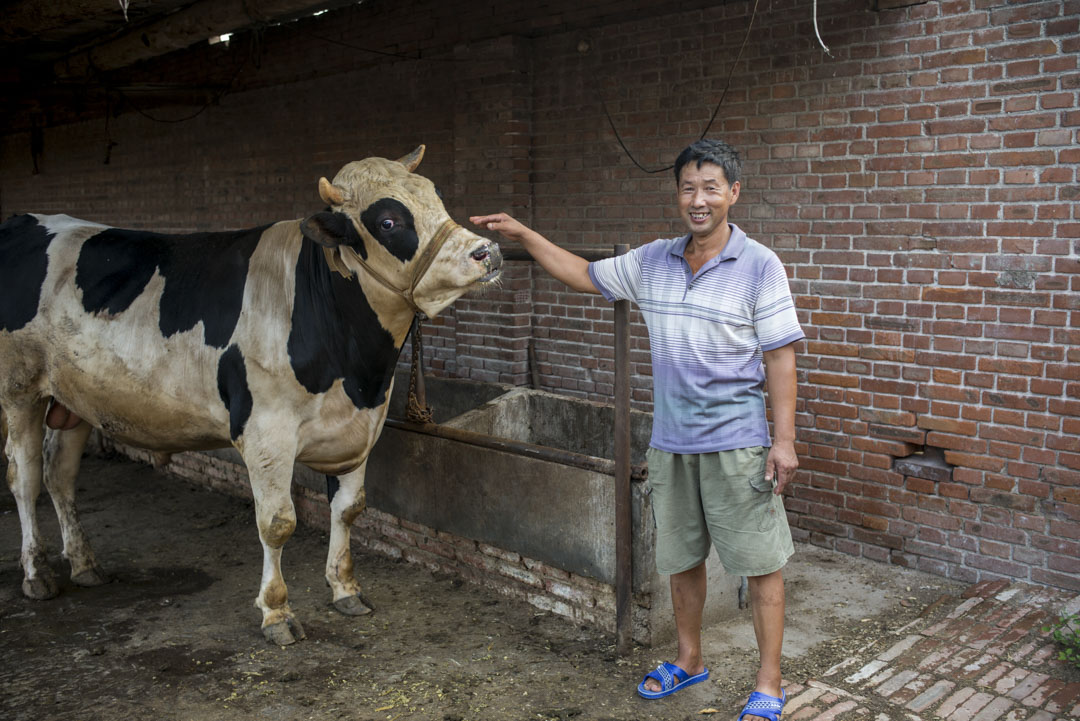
387	224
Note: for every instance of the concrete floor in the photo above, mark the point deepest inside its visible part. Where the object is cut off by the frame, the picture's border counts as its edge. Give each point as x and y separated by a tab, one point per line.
174	637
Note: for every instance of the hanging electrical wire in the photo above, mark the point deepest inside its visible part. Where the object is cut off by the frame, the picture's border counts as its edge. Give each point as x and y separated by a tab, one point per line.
253	53
818	32
716	111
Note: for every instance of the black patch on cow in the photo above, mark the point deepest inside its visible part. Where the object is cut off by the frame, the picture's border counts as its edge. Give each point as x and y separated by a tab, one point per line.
23	265
391	223
204	276
332	486
336	334
333	229
114	267
233	388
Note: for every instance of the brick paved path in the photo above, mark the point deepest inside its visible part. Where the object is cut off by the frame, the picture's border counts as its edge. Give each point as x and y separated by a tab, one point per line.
986	659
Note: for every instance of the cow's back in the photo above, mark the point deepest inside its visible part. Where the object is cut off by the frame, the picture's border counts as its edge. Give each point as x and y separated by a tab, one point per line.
131	330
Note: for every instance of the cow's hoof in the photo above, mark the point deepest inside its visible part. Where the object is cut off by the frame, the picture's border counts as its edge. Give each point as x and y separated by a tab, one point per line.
92	576
284	633
41	588
355	605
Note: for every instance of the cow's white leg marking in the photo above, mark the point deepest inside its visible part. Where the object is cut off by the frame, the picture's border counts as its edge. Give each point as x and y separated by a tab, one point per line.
62	456
26	431
270	470
348	503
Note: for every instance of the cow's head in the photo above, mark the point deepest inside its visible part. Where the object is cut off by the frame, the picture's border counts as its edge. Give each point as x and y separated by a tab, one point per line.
388	223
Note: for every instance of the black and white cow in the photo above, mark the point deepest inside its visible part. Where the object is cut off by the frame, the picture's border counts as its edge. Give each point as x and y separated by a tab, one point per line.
280	341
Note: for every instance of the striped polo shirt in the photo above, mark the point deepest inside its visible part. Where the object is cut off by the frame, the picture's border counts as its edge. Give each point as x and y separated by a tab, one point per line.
707	333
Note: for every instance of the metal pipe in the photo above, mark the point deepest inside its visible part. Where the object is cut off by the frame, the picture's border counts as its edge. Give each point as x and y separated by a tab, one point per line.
624	571
534	370
506	445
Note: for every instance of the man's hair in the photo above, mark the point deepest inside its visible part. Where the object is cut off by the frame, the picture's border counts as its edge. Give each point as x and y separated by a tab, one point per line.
716	152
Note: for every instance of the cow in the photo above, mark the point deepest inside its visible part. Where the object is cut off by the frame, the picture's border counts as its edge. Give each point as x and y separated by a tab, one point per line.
280	341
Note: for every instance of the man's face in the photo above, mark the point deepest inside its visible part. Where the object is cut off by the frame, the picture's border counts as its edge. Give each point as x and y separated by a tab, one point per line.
704	198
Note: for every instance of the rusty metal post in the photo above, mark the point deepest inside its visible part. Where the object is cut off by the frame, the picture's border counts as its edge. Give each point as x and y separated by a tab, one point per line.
624	572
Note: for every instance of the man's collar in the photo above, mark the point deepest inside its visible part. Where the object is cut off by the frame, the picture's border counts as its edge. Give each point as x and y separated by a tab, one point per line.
734	246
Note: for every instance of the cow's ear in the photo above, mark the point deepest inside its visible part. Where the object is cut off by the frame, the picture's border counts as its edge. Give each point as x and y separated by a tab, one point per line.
331	229
413	159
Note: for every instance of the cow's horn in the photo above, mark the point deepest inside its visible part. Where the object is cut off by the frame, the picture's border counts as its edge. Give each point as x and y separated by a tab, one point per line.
330	193
413	159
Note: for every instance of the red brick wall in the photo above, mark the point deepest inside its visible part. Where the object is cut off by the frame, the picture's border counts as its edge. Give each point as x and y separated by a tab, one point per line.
920	184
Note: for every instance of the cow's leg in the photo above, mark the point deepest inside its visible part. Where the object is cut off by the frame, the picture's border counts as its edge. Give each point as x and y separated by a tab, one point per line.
346	505
26	431
271	479
63	455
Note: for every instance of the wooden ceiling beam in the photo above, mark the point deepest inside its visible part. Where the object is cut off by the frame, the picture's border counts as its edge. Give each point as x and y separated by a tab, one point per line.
196	23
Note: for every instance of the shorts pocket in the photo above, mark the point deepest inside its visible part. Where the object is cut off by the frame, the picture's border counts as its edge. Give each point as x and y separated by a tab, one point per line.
767	510
759	484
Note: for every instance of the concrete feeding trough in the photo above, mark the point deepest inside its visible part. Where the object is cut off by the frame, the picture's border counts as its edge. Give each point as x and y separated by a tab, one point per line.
527	471
531	474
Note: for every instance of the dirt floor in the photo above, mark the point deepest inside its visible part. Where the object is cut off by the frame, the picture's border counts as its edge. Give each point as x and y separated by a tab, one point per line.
175	634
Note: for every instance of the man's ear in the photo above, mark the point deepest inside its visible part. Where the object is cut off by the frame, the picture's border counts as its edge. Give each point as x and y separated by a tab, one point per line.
331	229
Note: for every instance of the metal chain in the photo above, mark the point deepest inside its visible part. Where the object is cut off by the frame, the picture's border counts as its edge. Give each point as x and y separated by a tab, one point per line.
418	411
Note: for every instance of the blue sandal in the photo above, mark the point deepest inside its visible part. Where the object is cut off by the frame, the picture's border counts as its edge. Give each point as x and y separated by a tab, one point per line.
764	705
671	678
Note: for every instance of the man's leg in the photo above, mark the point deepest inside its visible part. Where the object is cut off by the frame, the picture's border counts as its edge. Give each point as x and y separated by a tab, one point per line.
767	608
688	590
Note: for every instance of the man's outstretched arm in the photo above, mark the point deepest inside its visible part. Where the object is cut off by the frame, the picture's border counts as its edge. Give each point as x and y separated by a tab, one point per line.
561	264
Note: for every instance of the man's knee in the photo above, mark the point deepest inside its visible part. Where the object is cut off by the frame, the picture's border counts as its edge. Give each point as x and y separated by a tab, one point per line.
768	588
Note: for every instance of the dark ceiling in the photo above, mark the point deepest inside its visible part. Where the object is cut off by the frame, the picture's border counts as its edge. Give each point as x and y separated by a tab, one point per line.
34	32
40	40
60	59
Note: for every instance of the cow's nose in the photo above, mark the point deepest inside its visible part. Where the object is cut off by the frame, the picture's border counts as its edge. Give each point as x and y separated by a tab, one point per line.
488	254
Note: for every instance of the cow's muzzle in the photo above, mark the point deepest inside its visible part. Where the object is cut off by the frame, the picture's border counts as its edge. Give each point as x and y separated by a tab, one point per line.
491	258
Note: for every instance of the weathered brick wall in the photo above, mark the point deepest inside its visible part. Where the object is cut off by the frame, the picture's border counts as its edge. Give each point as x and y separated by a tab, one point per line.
920	184
921	187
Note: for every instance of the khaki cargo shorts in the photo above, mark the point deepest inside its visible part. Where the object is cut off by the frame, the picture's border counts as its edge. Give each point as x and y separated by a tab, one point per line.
722	498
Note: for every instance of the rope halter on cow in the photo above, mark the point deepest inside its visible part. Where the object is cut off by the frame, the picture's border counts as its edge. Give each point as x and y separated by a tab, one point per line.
442	234
417	409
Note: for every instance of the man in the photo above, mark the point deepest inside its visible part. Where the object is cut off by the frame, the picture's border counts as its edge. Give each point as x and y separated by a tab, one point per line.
717	304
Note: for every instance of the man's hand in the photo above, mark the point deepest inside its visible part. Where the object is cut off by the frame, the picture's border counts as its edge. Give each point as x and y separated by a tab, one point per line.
781	464
562	264
502	224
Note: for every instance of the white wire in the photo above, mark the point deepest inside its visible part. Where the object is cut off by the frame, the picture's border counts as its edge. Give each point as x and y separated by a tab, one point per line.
818	32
